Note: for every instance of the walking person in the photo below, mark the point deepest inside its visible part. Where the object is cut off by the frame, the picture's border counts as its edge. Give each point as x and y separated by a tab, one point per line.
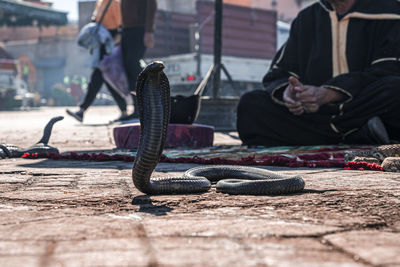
138	18
112	22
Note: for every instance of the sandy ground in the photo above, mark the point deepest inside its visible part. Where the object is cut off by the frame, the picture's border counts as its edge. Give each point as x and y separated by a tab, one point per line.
80	213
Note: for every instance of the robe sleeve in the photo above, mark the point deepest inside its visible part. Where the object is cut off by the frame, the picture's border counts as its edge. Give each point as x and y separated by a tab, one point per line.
284	65
385	61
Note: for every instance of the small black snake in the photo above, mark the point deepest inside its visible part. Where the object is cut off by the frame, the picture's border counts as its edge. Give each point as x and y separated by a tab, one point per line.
41	147
153	95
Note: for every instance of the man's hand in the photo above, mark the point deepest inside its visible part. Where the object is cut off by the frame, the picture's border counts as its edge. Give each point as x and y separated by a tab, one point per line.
312	97
149	40
290	99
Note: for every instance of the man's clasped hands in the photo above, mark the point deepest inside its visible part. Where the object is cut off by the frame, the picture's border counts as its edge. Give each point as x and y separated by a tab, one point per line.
300	98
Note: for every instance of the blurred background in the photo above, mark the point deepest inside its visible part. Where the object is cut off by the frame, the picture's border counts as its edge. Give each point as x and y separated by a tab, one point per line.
42	65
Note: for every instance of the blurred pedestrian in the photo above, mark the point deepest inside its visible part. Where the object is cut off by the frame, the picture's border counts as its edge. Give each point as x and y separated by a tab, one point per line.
110	10
137	35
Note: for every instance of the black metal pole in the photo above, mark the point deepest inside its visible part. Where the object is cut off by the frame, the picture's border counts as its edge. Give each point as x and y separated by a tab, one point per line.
217	48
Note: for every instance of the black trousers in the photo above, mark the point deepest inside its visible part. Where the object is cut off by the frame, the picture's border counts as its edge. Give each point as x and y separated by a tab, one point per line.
133	49
260	121
94	87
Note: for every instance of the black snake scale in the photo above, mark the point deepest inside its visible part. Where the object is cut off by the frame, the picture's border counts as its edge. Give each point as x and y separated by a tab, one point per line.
388	156
41	147
153	95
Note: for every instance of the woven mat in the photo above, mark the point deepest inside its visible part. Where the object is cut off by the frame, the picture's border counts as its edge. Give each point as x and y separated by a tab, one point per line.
295	157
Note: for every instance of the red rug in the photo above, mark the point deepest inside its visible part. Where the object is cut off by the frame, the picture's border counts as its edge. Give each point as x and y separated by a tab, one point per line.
294	157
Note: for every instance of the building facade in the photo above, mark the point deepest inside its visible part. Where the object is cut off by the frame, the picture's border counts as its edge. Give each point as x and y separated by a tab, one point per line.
287	9
43	46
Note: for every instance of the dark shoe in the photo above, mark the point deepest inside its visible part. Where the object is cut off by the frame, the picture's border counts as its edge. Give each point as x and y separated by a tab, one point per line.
77	115
378	131
373	132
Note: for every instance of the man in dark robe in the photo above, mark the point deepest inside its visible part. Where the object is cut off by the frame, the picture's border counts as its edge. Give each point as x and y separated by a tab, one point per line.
336	80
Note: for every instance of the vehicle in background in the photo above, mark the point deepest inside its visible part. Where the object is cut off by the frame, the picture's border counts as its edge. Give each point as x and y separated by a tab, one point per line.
14	92
185	71
283	31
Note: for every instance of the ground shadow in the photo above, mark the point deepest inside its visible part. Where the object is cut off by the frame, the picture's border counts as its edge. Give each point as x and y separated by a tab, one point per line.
97	124
315	191
108	123
302	192
78	164
308	191
146	206
231	135
81	164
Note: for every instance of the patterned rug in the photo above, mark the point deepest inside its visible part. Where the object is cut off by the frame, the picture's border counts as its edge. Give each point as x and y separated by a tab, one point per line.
294	157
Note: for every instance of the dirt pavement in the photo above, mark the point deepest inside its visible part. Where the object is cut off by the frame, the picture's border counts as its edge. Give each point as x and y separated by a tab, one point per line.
80	213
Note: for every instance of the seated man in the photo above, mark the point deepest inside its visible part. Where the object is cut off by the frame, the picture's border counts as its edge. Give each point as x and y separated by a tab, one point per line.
336	80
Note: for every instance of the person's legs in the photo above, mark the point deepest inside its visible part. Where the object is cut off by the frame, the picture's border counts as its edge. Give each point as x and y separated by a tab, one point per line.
380	99
133	50
94	87
96	81
118	98
120	102
263	122
260	121
390	112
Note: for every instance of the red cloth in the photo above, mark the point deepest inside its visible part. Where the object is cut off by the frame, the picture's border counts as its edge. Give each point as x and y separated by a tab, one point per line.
319	161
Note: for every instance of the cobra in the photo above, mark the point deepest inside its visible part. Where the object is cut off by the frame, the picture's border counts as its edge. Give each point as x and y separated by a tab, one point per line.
41	147
153	93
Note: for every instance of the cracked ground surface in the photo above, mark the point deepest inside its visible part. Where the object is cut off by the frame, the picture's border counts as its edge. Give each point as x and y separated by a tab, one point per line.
80	213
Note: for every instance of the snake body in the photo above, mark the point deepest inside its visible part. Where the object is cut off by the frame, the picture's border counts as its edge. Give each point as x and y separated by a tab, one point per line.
153	95
41	147
388	156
